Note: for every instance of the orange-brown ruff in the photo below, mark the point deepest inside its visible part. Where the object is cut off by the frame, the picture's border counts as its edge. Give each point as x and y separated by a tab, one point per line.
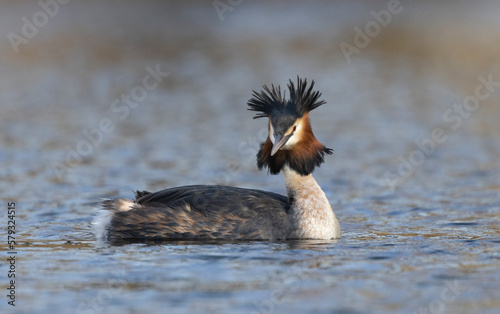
206	212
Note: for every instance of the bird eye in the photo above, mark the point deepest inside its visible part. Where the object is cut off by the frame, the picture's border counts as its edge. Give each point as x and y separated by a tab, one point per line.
294	128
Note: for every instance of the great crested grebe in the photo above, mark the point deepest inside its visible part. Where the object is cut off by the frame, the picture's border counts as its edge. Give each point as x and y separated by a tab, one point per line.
205	212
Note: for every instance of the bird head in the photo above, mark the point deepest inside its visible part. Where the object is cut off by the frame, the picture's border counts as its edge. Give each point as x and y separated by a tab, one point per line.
290	140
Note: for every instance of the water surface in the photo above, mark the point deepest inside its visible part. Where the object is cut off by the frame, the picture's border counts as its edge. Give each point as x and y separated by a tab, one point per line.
420	217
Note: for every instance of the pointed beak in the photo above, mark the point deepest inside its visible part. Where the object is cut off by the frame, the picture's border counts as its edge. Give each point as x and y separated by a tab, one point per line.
279	141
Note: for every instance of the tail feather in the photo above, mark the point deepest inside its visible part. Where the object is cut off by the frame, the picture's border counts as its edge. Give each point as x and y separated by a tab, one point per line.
139	194
102	221
118	205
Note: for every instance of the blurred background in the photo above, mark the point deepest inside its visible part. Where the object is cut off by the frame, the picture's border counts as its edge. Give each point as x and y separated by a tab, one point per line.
98	99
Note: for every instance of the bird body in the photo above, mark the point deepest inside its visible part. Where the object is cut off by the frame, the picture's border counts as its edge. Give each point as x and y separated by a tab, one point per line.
201	212
206	212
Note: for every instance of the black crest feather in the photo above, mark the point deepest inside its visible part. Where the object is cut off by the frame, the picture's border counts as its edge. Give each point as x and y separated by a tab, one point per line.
302	99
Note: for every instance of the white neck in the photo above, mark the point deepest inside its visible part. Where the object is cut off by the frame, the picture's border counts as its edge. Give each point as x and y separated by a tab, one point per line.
311	215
